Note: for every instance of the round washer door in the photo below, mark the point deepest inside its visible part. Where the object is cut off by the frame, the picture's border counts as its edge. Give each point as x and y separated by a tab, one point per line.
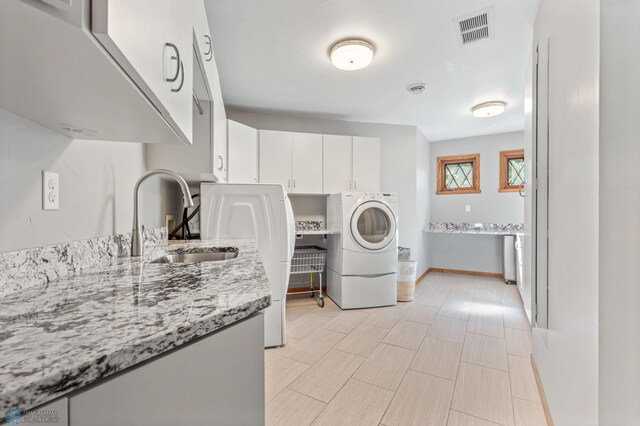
373	225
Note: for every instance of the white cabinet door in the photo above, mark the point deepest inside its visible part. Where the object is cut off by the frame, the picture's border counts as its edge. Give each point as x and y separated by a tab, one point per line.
243	153
215	380
366	164
202	39
306	163
275	157
154	49
337	163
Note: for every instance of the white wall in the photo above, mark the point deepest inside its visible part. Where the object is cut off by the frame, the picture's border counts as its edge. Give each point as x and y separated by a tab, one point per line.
96	186
480	253
490	205
619	292
567	352
399	153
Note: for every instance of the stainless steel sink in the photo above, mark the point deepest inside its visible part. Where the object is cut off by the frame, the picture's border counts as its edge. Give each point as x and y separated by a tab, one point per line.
196	257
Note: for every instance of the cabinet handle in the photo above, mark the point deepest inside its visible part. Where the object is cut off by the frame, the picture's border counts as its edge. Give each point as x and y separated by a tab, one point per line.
355	184
178	61
294	183
181	80
221	163
209	53
520	188
288	183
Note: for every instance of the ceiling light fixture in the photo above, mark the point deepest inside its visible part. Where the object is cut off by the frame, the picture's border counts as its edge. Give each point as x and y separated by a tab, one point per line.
488	109
416	88
351	55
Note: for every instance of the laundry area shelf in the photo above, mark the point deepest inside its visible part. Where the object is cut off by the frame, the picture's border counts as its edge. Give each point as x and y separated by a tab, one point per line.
317	232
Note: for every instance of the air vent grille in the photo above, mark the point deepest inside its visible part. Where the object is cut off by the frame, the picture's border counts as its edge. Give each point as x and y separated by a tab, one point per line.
474	22
474	27
474	35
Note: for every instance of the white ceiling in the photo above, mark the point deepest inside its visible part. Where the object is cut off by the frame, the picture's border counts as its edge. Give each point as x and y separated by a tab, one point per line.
273	55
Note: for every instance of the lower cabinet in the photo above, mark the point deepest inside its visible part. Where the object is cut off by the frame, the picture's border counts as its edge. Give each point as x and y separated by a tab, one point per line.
216	380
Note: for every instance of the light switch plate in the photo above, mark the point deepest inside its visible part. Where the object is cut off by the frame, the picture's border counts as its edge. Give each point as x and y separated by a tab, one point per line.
50	190
467	208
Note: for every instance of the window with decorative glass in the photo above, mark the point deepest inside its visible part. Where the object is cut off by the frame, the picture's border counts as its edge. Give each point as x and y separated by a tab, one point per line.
459	174
511	170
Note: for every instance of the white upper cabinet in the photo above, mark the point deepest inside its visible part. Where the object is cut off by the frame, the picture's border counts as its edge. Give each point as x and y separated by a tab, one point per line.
152	40
55	73
243	153
206	159
275	157
366	164
306	163
292	159
337	163
351	164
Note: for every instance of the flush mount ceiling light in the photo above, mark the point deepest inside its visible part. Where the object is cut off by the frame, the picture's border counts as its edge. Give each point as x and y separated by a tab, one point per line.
417	88
488	109
351	55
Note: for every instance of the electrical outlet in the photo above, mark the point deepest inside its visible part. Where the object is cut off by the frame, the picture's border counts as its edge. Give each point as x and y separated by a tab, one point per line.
467	208
50	190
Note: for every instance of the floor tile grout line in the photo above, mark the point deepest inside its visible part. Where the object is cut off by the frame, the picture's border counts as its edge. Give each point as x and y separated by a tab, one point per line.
475	417
326	404
430	374
484	366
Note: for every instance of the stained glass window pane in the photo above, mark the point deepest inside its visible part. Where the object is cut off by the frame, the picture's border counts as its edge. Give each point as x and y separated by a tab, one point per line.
515	171
458	175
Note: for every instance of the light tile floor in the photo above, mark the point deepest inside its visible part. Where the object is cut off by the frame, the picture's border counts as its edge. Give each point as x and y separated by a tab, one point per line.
457	355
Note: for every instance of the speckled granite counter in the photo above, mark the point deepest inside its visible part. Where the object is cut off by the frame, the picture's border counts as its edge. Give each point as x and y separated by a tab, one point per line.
78	329
476	228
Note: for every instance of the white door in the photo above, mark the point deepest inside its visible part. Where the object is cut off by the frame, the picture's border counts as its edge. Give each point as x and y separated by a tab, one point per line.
366	164
243	153
154	49
275	157
337	163
306	163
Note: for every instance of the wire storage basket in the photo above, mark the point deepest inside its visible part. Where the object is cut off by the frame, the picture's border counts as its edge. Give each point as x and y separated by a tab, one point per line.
310	260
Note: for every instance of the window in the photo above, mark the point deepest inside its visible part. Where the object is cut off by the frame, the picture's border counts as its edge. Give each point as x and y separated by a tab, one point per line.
511	170
459	174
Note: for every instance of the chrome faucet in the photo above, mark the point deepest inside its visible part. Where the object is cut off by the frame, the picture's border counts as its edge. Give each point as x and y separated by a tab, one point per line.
137	244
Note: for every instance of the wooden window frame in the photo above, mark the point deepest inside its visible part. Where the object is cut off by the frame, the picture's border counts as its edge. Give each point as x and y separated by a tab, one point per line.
453	159
505	156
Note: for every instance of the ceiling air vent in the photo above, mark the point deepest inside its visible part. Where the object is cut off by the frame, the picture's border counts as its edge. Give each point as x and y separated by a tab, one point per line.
473	27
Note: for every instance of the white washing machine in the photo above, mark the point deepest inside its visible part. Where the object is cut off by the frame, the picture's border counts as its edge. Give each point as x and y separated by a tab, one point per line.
261	212
362	259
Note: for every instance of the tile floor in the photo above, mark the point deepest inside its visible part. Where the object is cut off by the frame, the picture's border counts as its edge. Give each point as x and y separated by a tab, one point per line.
457	356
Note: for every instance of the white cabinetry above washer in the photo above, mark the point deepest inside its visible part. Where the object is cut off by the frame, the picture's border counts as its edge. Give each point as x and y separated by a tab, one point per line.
312	163
291	159
337	163
351	164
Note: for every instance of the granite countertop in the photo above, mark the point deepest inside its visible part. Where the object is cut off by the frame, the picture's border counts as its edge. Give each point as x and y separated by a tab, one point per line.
313	227
476	228
82	328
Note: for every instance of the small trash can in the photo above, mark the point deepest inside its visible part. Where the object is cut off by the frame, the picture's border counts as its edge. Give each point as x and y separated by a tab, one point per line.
406	280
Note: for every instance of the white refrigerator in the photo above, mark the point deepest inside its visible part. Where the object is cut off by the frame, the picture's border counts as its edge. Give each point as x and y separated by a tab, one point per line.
261	212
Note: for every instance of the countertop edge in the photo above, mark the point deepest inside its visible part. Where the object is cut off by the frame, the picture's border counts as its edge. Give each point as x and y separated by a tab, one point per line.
121	360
